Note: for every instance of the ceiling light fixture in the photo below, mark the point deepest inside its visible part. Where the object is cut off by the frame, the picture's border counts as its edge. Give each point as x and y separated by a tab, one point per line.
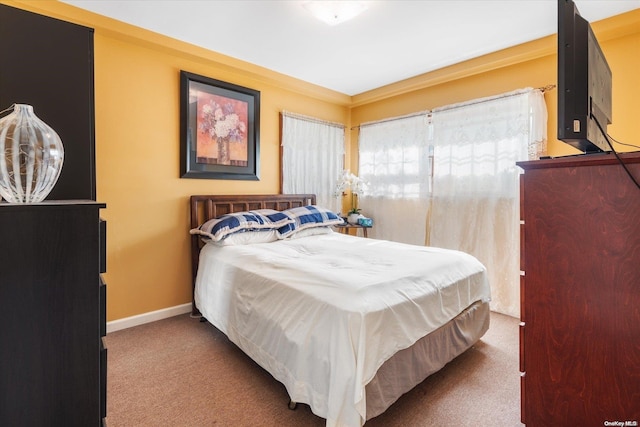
336	11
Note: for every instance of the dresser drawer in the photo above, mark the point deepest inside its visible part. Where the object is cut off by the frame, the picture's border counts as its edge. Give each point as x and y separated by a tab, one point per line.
523	414
523	305
103	379
102	286
522	350
103	246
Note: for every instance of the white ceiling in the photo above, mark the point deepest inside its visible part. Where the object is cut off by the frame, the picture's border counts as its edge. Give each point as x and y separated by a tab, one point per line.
389	42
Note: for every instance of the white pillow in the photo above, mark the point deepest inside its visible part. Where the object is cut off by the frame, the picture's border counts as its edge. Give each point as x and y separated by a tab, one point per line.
249	237
310	232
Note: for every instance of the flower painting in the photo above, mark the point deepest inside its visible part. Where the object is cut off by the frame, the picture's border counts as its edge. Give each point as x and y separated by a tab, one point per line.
219	129
222	130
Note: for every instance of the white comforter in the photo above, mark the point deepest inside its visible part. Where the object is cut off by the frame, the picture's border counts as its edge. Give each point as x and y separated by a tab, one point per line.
322	313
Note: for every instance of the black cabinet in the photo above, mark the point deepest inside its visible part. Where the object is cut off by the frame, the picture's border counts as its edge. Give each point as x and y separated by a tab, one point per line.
48	63
52	314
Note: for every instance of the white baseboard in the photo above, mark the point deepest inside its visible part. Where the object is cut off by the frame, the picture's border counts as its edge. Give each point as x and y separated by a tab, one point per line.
152	316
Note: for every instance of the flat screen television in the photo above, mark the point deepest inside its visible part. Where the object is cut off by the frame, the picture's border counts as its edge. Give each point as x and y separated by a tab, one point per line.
584	83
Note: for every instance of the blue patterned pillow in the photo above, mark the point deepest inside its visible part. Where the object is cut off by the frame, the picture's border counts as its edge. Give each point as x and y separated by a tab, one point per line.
218	228
305	217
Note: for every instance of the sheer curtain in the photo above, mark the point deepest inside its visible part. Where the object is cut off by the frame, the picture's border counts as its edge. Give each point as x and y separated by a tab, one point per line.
312	158
475	198
394	161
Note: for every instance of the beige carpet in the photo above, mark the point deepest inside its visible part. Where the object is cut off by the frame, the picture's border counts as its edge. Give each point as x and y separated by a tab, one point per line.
179	372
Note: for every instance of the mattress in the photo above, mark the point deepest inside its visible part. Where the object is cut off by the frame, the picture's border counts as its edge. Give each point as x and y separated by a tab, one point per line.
323	313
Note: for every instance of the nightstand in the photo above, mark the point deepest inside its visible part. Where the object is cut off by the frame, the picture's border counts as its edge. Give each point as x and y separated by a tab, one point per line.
344	228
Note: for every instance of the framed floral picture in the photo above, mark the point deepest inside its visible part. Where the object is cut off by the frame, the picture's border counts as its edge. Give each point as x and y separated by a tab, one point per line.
219	129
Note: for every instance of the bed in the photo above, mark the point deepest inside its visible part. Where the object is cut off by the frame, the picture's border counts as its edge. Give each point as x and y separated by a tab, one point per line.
347	324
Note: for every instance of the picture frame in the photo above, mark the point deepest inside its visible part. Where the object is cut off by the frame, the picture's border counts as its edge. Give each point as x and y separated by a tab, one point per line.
219	129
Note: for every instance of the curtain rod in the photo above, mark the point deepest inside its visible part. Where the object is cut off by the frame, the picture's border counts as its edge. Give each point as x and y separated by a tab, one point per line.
453	106
391	119
311	119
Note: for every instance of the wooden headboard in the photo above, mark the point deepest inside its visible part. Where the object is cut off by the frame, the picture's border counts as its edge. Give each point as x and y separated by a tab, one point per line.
206	207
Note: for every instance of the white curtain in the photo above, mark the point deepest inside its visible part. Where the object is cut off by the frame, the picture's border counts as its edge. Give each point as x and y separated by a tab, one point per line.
394	161
475	198
312	158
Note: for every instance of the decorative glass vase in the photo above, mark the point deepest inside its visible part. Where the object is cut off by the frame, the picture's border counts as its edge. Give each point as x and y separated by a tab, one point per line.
31	156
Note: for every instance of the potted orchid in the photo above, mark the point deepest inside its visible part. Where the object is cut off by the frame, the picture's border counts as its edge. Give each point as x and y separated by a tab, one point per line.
348	180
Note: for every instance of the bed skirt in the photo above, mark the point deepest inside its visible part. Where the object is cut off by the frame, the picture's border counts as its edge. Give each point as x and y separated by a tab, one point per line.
409	367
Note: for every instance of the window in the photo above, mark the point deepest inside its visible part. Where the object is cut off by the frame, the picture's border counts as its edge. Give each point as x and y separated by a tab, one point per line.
312	158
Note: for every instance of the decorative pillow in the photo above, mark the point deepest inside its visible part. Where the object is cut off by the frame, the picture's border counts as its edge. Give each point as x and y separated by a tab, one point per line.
310	232
266	235
308	217
218	228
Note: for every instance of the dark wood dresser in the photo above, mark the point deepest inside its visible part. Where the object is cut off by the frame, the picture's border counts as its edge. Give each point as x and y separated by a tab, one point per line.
580	291
52	314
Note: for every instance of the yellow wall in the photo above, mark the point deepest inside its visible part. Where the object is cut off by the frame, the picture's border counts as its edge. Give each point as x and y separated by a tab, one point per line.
531	64
137	132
